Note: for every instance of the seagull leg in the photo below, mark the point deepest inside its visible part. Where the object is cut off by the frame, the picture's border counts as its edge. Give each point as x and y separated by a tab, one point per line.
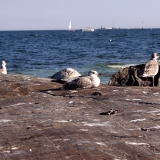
153	80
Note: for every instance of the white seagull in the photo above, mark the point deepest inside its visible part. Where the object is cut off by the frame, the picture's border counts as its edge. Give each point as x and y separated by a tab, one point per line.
151	67
90	81
3	70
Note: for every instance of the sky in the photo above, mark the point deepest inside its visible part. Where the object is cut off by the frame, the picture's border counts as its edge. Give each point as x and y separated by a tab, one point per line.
56	14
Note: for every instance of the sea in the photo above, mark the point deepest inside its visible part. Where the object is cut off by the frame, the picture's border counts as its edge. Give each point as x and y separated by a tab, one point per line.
43	53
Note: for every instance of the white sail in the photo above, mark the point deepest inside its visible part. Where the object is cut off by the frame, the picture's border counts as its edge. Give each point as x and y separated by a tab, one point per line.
70	26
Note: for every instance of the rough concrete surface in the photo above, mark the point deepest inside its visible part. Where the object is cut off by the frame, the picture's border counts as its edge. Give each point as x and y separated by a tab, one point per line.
40	121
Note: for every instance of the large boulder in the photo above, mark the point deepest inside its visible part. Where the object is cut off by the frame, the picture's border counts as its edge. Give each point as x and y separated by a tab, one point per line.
132	76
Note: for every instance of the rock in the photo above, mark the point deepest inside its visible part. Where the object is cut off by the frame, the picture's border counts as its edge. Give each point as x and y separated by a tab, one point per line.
132	76
16	85
40	121
66	74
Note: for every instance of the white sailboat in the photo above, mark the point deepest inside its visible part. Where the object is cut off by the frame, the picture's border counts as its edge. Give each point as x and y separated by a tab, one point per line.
70	26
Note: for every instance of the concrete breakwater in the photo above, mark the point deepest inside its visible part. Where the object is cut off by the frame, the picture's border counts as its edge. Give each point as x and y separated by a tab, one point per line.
38	120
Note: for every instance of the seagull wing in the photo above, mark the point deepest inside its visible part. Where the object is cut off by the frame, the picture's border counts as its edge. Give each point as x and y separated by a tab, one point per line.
151	67
81	82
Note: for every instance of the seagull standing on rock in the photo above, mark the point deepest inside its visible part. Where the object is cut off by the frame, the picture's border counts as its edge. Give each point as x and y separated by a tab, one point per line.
151	67
3	70
90	81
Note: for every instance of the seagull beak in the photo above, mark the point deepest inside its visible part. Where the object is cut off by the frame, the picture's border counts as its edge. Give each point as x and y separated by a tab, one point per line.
99	74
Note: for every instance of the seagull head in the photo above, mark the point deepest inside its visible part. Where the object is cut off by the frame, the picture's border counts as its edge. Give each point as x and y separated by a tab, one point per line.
4	63
92	72
154	55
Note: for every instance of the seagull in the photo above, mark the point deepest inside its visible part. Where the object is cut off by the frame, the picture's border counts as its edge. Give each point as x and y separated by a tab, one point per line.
90	81
3	70
151	67
66	73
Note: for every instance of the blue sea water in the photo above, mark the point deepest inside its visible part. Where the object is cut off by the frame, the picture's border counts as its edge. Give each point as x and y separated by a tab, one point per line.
43	53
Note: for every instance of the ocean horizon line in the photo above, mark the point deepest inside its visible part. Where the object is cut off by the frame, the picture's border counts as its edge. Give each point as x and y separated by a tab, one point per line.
96	29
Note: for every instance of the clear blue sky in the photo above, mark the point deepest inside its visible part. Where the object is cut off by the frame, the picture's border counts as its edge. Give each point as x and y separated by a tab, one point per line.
56	14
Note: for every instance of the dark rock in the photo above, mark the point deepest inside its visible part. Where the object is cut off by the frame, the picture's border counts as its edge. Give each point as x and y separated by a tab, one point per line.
132	76
97	93
40	121
111	112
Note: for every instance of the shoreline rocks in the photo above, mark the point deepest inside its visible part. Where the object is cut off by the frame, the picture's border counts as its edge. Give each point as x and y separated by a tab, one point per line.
132	76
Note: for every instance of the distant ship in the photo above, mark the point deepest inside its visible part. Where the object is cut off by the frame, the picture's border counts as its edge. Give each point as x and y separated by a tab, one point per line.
88	29
70	27
102	28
